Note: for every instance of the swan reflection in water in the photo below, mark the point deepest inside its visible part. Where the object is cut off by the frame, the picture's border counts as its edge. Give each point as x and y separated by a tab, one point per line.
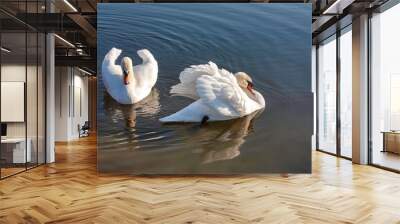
210	142
148	107
217	141
225	141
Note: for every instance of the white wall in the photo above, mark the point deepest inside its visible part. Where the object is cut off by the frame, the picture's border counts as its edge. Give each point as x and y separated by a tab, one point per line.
80	112
15	73
62	81
71	93
33	126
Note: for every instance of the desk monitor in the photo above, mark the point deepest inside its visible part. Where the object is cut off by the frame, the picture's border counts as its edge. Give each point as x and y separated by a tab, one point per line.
3	129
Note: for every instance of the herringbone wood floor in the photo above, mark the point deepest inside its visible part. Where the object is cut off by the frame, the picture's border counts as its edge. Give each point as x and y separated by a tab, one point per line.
71	191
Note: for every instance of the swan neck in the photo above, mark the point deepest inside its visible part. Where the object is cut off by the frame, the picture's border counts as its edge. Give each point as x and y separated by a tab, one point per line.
130	77
128	74
259	98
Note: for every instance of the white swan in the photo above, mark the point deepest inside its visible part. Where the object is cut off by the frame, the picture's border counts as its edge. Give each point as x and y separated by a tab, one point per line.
219	95
126	83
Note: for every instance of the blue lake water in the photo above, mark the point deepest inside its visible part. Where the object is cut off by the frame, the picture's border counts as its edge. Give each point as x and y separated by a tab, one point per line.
270	42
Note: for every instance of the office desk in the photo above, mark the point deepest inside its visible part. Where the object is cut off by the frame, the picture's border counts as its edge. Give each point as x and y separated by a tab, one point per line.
16	147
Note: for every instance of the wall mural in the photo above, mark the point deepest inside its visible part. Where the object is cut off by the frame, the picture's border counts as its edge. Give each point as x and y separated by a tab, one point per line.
204	88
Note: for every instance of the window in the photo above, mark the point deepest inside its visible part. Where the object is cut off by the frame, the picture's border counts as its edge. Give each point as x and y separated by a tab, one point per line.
327	95
314	89
385	89
22	77
346	92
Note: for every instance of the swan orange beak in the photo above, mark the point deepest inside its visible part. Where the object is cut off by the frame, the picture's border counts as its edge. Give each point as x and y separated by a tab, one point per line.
250	87
126	78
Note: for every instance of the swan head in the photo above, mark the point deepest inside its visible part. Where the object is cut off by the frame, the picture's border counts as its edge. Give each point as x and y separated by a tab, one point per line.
245	81
127	69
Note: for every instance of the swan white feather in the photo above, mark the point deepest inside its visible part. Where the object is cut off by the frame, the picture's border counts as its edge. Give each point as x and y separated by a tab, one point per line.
218	95
143	80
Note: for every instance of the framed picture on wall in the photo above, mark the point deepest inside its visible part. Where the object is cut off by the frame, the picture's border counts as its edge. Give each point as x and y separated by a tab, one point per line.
204	88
